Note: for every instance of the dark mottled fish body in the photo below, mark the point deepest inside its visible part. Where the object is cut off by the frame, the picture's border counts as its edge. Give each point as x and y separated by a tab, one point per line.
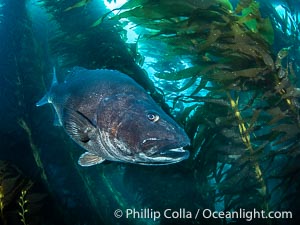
113	118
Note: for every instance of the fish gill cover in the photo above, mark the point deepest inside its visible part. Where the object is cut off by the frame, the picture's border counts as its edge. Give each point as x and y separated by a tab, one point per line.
227	71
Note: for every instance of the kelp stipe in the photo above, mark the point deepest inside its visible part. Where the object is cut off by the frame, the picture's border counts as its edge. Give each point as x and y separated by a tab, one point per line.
227	55
249	117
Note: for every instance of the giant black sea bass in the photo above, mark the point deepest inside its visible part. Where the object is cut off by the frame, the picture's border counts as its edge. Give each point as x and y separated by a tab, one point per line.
113	118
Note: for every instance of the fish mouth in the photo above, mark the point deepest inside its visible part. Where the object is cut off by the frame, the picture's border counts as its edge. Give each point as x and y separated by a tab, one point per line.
174	153
171	152
170	156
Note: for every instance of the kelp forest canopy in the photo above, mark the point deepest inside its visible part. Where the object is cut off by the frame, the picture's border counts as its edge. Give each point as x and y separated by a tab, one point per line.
227	71
236	95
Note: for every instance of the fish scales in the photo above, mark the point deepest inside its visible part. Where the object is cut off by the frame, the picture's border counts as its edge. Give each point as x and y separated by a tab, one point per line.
113	118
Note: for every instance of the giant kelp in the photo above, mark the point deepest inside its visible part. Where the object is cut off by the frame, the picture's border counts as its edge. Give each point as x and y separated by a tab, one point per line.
234	94
249	120
22	61
20	203
79	44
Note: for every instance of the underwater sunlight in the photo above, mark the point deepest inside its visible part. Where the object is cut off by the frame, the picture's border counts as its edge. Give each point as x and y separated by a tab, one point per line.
155	112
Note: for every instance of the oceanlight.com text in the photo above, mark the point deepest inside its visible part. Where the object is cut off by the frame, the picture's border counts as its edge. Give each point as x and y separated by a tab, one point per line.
248	215
182	213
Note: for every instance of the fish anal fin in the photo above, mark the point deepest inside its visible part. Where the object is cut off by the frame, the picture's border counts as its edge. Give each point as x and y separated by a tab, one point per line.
89	159
78	126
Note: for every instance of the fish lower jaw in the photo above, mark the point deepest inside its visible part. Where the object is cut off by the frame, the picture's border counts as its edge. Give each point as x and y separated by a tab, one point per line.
176	150
170	156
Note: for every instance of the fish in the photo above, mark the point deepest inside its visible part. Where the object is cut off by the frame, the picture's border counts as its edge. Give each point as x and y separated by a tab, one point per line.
113	118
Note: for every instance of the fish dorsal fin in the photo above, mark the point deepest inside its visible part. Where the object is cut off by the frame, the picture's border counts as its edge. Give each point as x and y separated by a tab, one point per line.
78	126
54	78
75	73
89	159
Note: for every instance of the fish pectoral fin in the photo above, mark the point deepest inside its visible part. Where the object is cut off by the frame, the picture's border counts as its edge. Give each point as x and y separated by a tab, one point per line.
89	159
79	127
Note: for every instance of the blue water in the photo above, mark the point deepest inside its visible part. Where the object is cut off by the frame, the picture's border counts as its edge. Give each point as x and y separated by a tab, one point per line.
38	161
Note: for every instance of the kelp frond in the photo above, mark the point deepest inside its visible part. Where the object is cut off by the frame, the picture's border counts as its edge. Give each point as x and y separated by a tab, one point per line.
251	109
16	195
23	203
1	202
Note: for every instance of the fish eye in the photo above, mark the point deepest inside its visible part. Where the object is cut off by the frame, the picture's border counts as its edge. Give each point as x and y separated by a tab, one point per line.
153	117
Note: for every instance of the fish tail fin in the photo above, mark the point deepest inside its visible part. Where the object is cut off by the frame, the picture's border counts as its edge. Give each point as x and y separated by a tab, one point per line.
45	100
